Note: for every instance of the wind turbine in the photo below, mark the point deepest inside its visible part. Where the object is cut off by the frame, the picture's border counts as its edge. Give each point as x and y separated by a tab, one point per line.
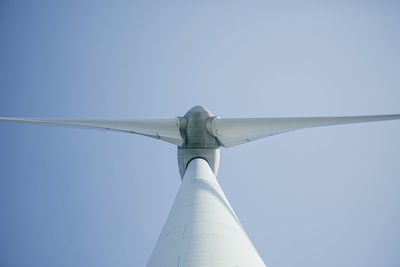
202	228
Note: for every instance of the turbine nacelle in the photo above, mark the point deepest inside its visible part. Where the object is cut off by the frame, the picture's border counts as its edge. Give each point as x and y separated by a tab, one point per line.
198	139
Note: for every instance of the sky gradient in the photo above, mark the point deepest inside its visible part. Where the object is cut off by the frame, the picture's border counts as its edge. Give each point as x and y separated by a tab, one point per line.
317	197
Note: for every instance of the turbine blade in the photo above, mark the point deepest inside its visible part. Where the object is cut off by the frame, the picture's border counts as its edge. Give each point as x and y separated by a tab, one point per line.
231	132
164	129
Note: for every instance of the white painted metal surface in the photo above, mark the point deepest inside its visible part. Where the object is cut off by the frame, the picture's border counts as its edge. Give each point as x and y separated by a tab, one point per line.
202	229
231	132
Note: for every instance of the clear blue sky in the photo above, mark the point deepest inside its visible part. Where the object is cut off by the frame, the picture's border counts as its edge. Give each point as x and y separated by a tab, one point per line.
317	197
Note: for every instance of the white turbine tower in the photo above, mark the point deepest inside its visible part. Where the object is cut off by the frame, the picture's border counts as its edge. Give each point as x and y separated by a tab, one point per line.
202	228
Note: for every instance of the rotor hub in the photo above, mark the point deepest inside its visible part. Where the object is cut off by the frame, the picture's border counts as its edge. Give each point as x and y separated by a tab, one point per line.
198	140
